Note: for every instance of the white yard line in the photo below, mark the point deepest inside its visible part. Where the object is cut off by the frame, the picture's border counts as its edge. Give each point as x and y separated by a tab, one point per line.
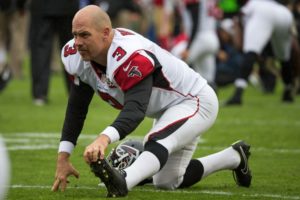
44	141
259	122
31	147
209	192
55	146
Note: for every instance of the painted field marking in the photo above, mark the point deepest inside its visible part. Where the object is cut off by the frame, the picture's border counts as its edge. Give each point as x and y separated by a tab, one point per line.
209	192
44	141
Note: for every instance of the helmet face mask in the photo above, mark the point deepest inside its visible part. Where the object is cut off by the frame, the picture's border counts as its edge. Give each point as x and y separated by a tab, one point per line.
125	154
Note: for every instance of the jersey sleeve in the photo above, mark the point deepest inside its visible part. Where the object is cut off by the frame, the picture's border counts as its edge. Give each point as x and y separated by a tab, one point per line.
77	109
70	58
136	68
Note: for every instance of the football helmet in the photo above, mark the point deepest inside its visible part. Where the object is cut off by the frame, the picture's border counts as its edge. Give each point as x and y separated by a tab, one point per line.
125	154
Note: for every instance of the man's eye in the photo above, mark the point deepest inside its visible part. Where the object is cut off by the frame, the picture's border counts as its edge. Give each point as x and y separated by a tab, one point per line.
84	35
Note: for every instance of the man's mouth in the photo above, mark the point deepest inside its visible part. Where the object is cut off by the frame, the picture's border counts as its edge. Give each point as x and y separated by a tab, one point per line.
82	52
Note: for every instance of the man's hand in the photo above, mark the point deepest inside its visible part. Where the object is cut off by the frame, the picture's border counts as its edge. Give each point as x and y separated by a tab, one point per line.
184	55
97	149
63	170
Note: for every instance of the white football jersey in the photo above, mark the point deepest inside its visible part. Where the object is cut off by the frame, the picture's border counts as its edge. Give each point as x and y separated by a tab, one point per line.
131	57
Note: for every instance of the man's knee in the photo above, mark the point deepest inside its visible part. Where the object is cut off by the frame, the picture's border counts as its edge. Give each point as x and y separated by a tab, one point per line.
167	185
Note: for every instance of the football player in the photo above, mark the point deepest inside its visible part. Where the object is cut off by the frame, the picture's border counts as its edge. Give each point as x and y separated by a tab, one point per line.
200	23
203	31
260	25
139	78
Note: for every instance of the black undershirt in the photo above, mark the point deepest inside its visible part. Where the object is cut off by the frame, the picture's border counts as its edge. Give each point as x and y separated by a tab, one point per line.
136	101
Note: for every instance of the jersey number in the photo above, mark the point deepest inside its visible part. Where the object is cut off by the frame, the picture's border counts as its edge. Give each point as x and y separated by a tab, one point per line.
68	50
119	53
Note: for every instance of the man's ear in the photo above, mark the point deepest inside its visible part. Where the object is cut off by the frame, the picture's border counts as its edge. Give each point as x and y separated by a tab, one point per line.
106	32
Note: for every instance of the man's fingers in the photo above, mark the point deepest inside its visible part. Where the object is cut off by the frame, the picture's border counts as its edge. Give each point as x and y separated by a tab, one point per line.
95	154
96	150
102	153
55	185
75	173
86	157
92	154
63	185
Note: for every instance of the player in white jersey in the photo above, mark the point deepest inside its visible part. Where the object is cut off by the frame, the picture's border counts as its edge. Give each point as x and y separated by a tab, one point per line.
204	46
265	21
200	22
141	79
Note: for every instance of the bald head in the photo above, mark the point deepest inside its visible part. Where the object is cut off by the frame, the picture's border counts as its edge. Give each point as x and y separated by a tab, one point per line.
92	16
93	34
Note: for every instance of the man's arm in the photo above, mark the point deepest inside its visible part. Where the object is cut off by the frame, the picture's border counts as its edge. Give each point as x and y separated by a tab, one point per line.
79	100
135	106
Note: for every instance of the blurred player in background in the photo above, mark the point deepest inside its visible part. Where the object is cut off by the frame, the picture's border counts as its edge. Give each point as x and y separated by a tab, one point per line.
229	57
260	25
202	44
142	80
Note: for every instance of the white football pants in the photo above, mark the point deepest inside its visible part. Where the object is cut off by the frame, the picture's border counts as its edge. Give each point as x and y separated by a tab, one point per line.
182	143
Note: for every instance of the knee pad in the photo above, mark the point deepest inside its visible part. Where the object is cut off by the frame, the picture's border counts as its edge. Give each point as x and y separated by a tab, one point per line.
193	174
158	150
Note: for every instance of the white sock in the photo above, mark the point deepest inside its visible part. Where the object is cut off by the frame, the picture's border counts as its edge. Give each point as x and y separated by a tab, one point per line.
145	166
240	83
225	159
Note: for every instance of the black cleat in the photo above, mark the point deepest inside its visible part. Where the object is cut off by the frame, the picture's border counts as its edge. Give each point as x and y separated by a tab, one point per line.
113	180
233	101
236	99
287	96
242	174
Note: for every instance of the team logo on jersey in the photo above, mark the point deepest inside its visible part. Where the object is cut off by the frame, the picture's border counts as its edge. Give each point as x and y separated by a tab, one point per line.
110	84
134	71
104	79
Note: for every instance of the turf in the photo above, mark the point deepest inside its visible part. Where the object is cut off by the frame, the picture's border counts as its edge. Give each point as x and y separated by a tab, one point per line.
32	135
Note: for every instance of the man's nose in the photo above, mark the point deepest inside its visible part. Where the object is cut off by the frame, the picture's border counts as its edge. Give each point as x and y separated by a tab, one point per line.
78	41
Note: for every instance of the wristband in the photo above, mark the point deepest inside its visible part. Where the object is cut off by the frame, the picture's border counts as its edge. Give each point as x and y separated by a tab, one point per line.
112	133
66	146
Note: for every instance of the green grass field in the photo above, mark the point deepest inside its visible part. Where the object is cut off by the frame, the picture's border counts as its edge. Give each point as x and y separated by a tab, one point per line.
32	135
